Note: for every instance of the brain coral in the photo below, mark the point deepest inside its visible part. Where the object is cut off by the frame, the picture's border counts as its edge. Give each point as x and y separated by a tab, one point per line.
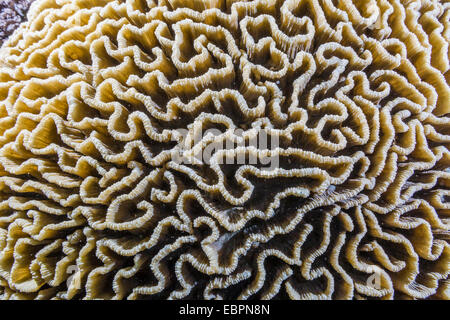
94	206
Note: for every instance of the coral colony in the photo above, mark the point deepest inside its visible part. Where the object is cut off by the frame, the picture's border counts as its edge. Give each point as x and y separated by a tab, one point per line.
226	149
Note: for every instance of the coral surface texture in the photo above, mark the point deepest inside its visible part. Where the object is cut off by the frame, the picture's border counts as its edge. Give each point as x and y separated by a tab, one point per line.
95	202
12	13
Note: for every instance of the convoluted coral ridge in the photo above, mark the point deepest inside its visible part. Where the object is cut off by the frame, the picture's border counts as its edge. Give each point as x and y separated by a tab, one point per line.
94	206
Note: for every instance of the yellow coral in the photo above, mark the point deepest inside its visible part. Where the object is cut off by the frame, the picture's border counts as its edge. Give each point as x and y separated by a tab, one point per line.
92	94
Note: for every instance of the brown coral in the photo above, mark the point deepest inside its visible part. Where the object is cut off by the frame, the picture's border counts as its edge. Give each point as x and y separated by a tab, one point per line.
12	13
357	92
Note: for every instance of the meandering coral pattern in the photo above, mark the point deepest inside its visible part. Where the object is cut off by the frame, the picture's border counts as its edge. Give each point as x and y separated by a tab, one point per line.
357	93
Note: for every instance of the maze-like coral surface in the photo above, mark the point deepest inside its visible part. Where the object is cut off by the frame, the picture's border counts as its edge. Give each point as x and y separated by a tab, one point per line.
93	205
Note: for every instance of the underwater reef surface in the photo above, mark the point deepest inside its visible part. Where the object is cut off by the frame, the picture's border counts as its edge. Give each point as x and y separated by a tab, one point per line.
105	106
12	13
